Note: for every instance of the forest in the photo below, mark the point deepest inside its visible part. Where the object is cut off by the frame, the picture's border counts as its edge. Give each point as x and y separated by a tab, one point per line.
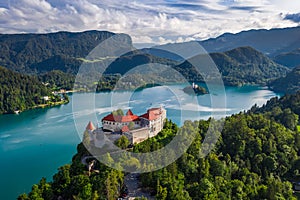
288	84
57	80
255	157
19	92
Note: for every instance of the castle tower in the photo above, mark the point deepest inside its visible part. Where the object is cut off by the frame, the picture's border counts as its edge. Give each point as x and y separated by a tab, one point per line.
90	126
88	133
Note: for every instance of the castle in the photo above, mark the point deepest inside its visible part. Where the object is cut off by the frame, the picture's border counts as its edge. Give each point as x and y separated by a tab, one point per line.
135	128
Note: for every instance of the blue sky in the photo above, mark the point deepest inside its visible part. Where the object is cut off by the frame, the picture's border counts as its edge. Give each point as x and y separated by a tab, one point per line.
156	21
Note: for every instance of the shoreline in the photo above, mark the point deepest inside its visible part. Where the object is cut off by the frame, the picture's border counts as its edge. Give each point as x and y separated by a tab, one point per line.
70	92
41	106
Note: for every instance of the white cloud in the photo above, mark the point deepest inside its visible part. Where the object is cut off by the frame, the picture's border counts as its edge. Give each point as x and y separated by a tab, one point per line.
157	21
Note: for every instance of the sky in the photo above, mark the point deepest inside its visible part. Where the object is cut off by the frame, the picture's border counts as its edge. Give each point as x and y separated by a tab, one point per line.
152	22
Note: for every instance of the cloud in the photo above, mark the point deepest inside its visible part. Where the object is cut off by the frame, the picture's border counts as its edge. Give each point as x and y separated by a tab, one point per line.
246	8
293	17
157	21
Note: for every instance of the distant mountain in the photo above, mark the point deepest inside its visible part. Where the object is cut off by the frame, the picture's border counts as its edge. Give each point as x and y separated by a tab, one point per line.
65	51
271	42
243	65
38	53
290	59
289	84
162	54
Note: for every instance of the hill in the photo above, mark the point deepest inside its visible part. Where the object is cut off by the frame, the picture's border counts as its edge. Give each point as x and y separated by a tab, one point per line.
136	58
57	79
240	66
290	59
288	84
21	92
255	157
39	53
271	42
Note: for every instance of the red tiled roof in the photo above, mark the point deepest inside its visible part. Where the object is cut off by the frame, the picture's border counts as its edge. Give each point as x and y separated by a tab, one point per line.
118	118
125	129
90	126
129	112
152	114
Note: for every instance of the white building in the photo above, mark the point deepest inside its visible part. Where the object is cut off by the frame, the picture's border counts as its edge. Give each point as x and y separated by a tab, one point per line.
136	128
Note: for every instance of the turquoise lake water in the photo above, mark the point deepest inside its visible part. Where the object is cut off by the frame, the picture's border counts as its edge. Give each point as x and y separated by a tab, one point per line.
35	143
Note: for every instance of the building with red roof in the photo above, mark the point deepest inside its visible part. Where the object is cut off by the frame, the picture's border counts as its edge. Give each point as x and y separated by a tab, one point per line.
115	123
153	119
141	127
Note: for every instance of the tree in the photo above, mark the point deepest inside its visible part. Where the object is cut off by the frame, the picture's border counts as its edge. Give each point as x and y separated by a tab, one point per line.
118	112
61	180
162	192
36	193
86	192
122	142
132	164
23	197
77	185
131	125
112	186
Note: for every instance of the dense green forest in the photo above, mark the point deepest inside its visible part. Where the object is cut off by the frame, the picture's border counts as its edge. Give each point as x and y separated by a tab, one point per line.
40	53
72	181
19	92
57	79
65	51
256	157
240	66
288	84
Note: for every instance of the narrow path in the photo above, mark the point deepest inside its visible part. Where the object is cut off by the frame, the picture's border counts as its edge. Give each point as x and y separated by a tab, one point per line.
134	189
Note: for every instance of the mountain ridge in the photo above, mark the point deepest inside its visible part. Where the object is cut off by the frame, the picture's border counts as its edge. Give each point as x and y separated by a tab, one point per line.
288	84
289	59
271	42
27	53
239	66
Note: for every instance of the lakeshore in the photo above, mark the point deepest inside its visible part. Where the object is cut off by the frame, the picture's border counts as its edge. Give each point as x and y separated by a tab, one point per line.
46	133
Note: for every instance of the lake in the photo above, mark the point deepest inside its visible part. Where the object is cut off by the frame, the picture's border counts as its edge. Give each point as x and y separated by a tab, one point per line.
35	143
